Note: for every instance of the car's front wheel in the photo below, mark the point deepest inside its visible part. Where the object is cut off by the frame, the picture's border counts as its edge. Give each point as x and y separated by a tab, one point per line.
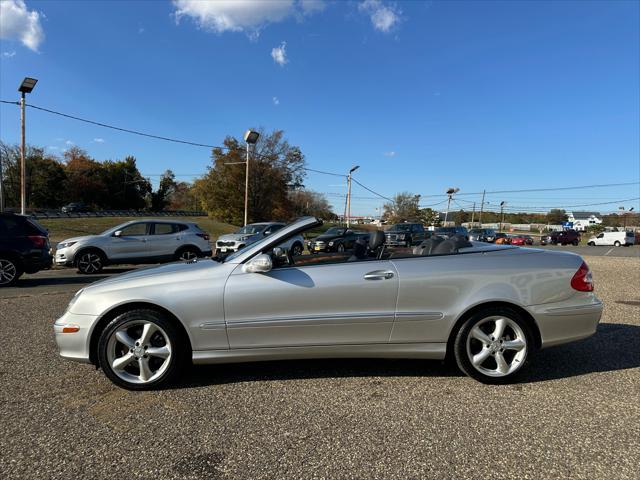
493	345
616	243
9	271
89	262
187	254
296	249
140	350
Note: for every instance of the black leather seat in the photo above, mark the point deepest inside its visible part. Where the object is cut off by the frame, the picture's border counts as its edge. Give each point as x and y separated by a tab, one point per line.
373	248
442	246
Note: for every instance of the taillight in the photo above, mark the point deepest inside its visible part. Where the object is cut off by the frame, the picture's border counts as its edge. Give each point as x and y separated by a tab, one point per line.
203	235
38	241
583	280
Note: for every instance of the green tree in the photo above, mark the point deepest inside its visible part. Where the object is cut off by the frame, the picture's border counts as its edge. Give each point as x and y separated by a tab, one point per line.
161	197
556	216
275	167
404	208
307	202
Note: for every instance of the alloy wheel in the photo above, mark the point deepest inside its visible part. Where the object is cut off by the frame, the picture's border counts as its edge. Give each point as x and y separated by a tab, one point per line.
90	262
139	352
496	346
8	271
188	255
296	250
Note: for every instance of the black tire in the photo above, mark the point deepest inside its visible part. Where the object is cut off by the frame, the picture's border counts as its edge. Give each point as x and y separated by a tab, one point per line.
340	248
187	254
616	243
179	349
297	249
575	243
591	244
90	261
462	355
10	271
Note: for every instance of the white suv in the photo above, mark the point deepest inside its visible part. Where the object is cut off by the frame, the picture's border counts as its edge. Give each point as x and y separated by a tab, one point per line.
134	242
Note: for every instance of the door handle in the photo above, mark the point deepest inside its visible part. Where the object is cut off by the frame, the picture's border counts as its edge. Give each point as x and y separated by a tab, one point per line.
378	275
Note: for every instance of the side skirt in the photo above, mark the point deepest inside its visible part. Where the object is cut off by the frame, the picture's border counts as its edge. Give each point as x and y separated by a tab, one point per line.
435	351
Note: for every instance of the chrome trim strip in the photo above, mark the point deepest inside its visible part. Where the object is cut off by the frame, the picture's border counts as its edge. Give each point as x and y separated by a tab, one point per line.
405	316
312	319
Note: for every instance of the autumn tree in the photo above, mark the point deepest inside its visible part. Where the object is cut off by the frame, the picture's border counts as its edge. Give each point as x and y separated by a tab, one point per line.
556	216
275	168
307	202
404	208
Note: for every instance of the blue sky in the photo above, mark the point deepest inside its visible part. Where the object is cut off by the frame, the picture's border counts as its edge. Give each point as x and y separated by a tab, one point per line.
422	95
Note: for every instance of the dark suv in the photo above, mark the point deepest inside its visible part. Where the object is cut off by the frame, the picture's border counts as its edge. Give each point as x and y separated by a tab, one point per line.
336	239
405	235
24	247
451	231
565	237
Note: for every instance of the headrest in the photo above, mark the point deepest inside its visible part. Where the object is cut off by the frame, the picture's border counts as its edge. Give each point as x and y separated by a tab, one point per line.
451	245
427	246
376	239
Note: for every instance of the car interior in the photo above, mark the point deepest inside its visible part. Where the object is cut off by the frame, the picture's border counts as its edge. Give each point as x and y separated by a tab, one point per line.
372	248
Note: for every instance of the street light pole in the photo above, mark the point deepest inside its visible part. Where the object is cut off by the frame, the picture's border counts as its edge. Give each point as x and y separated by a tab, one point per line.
450	192
1	188
481	208
501	215
349	194
250	138
25	87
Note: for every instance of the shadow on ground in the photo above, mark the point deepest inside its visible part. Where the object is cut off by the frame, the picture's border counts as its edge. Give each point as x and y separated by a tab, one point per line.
614	347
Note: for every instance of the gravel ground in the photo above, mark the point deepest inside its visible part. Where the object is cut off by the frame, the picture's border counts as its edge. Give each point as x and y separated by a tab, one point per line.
575	415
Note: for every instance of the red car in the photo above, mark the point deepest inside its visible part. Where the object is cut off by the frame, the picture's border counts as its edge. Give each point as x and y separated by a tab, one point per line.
520	241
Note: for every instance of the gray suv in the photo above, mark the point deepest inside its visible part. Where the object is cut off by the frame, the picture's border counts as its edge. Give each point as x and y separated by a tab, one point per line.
134	242
251	233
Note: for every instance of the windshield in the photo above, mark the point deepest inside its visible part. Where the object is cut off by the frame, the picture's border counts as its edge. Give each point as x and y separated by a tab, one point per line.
335	231
402	227
251	229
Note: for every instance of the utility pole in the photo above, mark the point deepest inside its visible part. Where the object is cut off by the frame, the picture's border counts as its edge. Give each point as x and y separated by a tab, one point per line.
349	194
501	215
473	214
25	87
450	193
481	207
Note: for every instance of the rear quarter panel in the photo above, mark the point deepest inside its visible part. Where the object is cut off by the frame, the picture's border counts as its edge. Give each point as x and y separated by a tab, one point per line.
435	291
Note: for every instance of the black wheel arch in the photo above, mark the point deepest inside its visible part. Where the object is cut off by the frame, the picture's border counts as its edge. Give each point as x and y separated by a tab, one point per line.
526	316
14	257
127	307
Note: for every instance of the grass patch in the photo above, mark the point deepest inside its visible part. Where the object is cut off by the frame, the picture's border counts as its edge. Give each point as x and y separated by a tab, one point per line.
62	228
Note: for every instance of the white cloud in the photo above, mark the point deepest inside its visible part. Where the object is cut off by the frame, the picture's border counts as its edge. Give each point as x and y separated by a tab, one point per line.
140	30
279	54
18	23
390	154
310	7
10	54
98	140
53	147
69	142
233	15
383	17
276	101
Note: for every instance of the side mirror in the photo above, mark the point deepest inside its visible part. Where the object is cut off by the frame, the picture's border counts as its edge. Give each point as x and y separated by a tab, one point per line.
278	252
260	264
267	233
117	233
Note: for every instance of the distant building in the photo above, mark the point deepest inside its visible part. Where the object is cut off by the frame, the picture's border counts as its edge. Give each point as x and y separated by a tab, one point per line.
582	220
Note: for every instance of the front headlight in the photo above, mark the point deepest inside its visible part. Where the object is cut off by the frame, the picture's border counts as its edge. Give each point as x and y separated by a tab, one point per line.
74	299
401	236
331	244
66	244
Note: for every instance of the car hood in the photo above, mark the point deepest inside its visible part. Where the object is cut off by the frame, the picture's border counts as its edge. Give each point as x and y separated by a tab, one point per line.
326	238
78	239
239	237
169	272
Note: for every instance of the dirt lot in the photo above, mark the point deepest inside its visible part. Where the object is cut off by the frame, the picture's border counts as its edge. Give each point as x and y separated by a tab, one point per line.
575	415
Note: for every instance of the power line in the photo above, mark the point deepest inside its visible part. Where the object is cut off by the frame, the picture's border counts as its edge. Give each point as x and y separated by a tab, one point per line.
372	191
156	137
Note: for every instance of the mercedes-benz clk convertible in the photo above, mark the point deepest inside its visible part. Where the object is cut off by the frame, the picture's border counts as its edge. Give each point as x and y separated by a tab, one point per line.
488	307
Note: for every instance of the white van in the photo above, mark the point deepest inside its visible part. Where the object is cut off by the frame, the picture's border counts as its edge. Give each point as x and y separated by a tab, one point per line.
613	238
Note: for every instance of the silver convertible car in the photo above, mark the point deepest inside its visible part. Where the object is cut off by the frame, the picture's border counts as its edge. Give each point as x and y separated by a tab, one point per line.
489	307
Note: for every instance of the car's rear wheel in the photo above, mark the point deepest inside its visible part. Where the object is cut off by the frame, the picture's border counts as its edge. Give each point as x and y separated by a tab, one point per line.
616	243
340	247
187	254
493	345
140	350
591	244
90	261
9	271
575	243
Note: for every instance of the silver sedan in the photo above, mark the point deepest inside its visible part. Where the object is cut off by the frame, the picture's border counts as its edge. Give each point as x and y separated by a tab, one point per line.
488	307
